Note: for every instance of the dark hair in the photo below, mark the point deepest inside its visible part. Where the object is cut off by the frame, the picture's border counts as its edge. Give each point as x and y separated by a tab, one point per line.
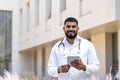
71	19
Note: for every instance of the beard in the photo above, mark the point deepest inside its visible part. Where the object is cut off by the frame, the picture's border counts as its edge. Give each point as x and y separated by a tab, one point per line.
70	36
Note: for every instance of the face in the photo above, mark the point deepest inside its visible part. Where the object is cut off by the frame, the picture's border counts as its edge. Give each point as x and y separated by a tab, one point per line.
71	29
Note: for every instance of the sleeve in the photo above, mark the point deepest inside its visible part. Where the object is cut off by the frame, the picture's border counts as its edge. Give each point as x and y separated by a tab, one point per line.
53	64
93	62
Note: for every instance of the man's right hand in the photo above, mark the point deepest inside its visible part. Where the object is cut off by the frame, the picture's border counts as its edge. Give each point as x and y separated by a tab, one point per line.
63	68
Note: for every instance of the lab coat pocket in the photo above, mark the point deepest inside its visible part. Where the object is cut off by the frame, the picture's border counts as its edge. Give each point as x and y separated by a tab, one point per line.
62	58
83	56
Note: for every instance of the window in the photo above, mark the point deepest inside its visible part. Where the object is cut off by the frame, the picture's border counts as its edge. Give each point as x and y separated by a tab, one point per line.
85	7
37	12
48	9
62	5
28	17
20	22
5	40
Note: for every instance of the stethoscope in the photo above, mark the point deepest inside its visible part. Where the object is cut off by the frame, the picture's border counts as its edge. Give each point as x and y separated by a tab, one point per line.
61	47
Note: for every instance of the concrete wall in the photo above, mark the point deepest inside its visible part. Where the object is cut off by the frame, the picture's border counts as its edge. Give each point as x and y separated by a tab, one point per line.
99	42
13	6
7	4
117	9
93	13
109	51
90	13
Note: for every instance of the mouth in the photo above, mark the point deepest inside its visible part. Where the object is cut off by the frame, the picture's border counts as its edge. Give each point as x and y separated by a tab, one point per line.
70	31
71	34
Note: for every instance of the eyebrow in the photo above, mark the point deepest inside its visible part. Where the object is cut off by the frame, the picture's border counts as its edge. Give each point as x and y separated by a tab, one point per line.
73	26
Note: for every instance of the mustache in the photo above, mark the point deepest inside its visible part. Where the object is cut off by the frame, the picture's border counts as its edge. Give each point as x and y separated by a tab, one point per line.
70	31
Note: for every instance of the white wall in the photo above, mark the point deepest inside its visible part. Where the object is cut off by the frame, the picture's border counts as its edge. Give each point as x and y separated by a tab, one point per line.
9	5
93	13
118	9
101	12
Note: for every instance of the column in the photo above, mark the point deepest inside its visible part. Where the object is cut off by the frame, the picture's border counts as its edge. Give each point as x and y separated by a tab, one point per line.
100	44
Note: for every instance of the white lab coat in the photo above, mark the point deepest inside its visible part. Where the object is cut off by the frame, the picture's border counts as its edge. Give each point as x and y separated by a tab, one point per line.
86	53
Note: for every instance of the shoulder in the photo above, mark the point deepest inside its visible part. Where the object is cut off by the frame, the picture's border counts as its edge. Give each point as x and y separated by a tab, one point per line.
87	42
56	44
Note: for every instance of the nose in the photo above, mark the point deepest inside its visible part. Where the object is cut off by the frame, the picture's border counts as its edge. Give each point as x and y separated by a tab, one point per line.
71	28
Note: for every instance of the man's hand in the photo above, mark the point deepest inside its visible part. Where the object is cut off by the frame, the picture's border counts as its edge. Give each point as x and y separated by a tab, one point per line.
63	68
78	64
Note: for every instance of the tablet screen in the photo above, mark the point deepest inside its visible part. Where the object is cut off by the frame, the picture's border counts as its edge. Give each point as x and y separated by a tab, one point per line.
72	58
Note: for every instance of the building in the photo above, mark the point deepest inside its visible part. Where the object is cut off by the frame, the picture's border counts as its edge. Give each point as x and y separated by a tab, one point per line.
40	27
8	33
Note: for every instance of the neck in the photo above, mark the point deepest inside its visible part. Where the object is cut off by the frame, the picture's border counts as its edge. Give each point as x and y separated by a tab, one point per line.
71	41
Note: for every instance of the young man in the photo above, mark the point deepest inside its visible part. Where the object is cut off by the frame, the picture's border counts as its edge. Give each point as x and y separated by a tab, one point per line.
72	46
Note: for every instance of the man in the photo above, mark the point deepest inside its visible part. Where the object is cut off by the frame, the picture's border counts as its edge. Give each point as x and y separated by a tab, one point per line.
72	45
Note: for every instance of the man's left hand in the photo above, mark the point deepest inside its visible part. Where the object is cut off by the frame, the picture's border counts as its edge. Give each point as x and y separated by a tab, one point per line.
78	64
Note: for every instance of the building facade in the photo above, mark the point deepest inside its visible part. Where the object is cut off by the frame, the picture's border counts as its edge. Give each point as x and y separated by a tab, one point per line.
8	33
5	39
41	23
37	26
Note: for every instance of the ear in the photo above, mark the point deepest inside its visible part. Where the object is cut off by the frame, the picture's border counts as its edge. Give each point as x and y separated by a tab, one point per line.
63	28
78	28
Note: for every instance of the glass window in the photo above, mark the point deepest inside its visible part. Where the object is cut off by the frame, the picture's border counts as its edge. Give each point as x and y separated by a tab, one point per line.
62	5
28	17
85	7
37	12
48	9
20	23
5	40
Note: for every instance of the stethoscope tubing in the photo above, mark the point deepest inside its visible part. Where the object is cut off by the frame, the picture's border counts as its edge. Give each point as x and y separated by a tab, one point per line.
61	43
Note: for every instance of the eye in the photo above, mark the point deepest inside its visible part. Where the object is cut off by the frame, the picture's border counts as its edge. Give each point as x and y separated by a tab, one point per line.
73	26
68	26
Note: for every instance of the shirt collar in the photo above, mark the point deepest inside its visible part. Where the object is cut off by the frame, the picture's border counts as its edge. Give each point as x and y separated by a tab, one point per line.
75	41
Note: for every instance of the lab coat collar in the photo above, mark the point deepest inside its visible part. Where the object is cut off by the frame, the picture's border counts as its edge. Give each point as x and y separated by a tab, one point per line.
75	41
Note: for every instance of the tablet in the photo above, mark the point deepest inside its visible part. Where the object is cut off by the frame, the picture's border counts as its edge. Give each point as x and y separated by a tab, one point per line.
72	58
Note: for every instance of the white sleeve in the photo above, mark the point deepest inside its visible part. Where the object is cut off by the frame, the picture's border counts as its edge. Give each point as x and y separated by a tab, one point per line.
93	62
53	63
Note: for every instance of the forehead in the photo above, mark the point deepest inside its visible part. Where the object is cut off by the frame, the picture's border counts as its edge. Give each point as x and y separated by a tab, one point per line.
71	23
